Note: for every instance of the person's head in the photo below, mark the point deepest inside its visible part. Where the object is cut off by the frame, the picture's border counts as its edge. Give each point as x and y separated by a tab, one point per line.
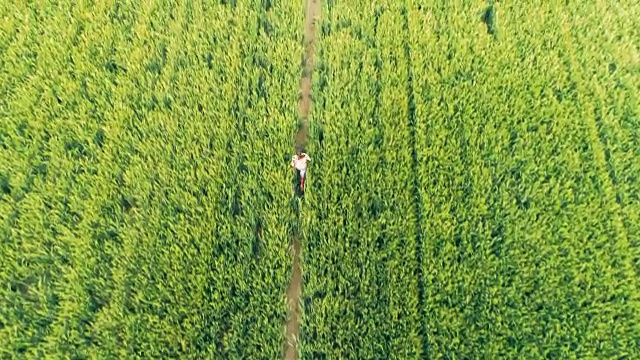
299	151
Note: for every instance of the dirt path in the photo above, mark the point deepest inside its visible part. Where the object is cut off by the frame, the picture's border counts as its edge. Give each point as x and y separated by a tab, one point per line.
294	292
312	11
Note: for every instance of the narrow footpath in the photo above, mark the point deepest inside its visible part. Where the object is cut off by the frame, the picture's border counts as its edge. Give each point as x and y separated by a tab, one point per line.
294	292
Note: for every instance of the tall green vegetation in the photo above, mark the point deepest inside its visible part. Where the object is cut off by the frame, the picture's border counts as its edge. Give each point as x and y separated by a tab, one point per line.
361	289
524	238
523	126
474	190
142	202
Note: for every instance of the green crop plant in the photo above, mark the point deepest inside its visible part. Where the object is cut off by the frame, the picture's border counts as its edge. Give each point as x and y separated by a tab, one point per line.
526	249
361	289
142	204
516	220
474	189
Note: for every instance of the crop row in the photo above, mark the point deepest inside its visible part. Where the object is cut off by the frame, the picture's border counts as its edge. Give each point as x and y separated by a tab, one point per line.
524	245
607	78
359	259
143	207
478	160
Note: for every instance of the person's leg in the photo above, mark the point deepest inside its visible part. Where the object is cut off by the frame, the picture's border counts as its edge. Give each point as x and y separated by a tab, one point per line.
302	174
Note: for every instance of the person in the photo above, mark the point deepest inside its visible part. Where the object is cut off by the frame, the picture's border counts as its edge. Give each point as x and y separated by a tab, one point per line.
299	162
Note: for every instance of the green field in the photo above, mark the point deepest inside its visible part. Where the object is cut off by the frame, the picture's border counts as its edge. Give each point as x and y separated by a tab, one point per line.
143	205
483	177
474	190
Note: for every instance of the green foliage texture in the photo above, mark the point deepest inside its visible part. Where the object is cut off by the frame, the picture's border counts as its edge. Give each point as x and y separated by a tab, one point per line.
142	208
474	191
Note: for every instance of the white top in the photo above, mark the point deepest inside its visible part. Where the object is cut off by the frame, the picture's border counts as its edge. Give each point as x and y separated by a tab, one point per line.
300	164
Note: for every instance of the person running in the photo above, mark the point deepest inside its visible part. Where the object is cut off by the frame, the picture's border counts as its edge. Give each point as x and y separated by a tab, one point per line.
299	162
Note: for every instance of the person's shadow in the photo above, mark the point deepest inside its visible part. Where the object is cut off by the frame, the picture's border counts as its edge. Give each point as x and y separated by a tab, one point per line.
296	185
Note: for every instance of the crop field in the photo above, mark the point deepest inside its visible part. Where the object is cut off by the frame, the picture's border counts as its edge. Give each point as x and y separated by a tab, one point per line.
474	190
143	208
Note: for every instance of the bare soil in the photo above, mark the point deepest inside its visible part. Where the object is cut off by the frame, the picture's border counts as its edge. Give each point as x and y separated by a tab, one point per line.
294	292
312	11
